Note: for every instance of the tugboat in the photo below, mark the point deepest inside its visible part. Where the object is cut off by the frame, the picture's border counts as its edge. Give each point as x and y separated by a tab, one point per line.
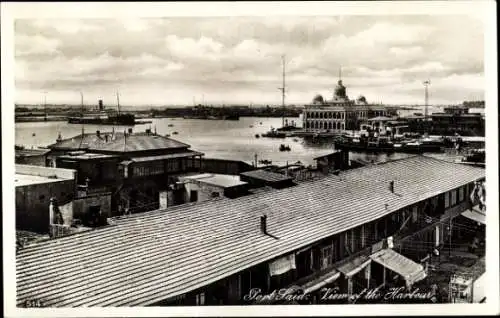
274	134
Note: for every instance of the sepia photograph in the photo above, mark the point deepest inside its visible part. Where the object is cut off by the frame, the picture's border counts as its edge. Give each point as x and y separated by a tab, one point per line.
250	158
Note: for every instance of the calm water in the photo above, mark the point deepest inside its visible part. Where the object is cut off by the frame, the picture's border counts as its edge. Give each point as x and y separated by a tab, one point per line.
216	138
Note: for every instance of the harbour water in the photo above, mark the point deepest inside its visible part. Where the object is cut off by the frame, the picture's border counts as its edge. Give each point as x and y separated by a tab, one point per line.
224	139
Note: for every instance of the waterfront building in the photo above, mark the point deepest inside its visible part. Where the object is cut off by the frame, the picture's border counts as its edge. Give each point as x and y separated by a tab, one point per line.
35	187
340	113
48	202
134	167
457	120
360	228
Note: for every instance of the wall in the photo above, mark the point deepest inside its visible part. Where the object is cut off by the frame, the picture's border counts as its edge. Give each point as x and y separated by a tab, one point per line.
32	203
46	171
81	205
67	212
204	190
224	166
31	160
164	199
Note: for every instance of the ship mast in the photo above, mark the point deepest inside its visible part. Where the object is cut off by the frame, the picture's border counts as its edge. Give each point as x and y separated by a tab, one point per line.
282	89
81	102
45	104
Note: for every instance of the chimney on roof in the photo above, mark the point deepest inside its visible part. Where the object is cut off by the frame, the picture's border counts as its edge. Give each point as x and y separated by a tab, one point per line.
130	131
263	224
391	186
148	131
98	133
106	137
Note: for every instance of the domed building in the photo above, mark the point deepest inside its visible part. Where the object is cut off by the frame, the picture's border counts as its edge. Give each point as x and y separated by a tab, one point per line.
340	113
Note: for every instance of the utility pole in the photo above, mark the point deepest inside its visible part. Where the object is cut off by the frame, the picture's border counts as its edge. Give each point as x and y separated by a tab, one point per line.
118	101
426	85
45	104
282	89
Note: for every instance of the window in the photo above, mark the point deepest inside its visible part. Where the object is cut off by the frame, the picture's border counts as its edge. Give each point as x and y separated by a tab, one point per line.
461	191
453	197
326	256
200	299
193	196
447	200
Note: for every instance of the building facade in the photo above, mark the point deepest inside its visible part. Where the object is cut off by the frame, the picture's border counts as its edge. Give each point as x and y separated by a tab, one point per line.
134	167
372	226
340	113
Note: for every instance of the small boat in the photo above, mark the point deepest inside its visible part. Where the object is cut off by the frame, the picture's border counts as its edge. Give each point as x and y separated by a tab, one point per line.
175	133
284	148
33	134
274	134
260	123
257	136
167	135
170	125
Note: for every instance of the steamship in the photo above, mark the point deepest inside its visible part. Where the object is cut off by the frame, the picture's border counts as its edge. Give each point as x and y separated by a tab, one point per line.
102	117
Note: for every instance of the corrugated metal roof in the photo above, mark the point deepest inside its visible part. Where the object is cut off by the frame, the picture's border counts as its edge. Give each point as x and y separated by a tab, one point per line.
220	180
168	156
475	214
152	256
411	271
267	176
31	152
118	142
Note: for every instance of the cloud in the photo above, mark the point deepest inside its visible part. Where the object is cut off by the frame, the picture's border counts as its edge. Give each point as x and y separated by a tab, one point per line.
240	57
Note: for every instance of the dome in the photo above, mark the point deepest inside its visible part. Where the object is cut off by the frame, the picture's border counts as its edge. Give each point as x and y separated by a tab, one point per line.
318	99
340	90
361	99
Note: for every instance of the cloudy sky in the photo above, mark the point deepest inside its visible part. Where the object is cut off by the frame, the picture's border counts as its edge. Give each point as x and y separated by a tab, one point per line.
238	60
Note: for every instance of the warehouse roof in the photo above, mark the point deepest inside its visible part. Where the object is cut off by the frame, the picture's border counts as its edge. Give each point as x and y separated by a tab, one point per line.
149	257
26	152
168	156
118	142
267	176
